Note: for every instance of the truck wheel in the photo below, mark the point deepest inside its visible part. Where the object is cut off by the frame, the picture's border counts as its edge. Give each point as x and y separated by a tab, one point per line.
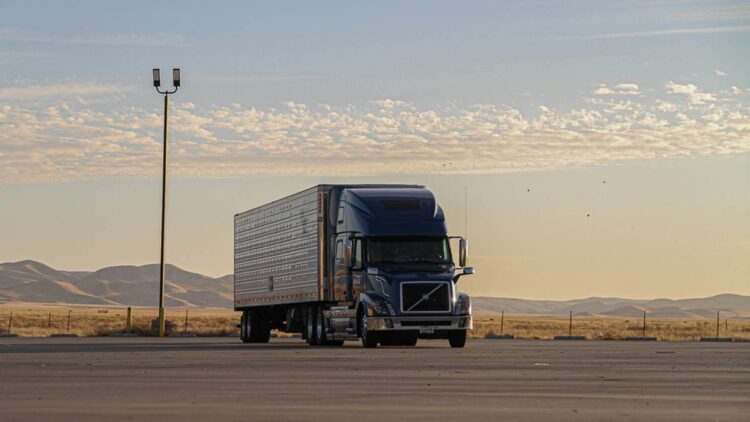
458	339
311	326
245	326
254	326
369	340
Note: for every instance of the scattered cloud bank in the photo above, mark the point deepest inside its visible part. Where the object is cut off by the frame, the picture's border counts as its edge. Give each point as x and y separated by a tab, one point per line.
69	141
694	95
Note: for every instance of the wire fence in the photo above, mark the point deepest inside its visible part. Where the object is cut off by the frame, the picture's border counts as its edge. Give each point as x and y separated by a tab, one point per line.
204	322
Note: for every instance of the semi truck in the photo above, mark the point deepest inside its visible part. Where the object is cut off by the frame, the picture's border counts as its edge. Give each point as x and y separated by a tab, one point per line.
349	262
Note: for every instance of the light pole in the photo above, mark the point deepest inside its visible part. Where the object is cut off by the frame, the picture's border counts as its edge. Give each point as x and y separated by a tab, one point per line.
166	93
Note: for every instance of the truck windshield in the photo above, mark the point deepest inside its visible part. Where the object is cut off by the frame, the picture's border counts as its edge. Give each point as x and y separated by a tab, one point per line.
434	251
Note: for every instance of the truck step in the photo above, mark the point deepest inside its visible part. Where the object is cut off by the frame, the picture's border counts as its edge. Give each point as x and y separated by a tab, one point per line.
340	313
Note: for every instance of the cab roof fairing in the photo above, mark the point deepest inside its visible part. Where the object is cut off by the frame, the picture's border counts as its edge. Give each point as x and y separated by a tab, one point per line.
392	212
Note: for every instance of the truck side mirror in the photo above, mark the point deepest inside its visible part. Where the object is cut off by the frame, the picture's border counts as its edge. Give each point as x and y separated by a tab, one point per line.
464	271
463	251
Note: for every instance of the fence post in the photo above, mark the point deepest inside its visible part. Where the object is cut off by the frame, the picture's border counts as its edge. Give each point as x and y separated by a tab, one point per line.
717	323
726	326
67	329
129	320
644	323
184	329
10	322
49	320
570	324
502	322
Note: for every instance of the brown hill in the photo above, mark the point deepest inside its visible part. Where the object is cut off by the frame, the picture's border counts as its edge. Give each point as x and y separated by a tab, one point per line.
30	281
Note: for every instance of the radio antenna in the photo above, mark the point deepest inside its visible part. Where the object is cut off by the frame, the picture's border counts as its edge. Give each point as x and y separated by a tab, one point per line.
466	213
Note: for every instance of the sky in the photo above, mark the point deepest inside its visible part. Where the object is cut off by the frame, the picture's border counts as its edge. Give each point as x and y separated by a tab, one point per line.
603	148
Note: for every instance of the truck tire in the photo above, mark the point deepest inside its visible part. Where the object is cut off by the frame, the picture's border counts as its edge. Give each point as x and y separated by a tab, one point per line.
311	326
369	340
254	326
245	326
458	339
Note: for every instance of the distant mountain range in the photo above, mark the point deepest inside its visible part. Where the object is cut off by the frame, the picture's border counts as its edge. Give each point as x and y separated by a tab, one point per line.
730	305
33	282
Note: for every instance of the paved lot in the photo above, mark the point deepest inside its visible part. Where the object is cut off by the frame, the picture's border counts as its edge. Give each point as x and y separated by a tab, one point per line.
222	379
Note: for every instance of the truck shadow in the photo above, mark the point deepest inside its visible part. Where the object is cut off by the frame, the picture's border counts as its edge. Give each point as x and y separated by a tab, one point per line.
42	345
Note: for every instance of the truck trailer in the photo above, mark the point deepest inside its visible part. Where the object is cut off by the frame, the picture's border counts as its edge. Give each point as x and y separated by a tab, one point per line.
348	262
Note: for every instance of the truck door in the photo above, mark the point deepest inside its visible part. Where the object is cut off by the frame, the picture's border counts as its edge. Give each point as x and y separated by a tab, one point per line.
342	278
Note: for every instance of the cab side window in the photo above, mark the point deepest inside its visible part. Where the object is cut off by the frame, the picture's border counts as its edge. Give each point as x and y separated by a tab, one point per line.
339	252
340	219
357	253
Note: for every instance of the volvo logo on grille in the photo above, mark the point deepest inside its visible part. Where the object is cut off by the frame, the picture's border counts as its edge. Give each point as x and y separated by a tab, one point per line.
425	296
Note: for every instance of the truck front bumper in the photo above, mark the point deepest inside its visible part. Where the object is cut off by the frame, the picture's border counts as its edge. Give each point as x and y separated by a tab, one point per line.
424	325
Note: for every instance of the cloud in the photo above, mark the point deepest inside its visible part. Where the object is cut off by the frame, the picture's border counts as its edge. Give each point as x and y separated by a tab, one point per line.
619	89
696	96
159	39
70	90
658	33
720	73
76	142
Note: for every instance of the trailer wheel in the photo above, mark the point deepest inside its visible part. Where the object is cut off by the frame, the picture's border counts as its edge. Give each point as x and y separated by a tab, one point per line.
255	326
458	339
369	340
245	326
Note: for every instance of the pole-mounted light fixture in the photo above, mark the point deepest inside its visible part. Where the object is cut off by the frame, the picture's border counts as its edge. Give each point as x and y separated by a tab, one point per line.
175	81
157	78
176	84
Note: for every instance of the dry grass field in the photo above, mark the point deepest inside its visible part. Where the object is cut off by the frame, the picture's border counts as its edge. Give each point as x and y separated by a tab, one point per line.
539	327
36	320
84	321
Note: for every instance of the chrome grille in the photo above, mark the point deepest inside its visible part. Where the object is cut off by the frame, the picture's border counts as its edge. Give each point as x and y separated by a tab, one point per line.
425	297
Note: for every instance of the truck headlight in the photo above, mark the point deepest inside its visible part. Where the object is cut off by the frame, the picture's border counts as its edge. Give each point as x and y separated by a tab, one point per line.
377	307
463	304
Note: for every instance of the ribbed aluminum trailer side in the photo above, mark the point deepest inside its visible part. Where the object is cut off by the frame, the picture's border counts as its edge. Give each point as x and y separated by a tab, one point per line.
279	250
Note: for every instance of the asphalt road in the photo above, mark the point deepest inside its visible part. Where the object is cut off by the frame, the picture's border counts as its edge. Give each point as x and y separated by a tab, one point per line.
222	379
